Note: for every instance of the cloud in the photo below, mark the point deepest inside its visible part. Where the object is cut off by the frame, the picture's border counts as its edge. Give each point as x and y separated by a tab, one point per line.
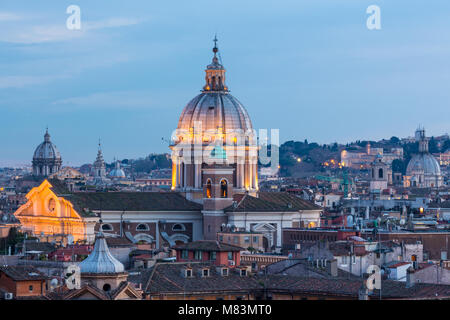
8	16
23	81
32	34
110	23
107	100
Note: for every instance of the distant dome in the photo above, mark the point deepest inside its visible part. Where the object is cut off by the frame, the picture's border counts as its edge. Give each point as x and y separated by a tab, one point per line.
101	260
423	168
46	159
46	150
117	172
423	162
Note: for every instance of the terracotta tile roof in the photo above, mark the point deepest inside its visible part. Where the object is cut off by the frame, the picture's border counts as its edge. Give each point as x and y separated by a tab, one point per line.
207	245
394	266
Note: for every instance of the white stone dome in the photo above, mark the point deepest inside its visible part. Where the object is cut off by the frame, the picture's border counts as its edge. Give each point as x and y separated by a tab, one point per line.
425	163
46	150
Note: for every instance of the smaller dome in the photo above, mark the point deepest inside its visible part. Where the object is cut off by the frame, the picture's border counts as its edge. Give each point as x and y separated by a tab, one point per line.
425	163
46	150
117	172
101	260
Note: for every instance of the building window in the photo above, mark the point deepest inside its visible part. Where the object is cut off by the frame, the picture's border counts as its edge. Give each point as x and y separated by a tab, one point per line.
184	254
142	227
198	255
224	272
51	205
230	255
178	227
107	227
223	188
213	255
236	239
247	239
188	273
344	260
380	173
106	287
221	238
30	288
205	272
243	272
208	188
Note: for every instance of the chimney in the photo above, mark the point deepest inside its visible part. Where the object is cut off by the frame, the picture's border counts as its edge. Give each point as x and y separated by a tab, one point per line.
332	268
410	277
363	292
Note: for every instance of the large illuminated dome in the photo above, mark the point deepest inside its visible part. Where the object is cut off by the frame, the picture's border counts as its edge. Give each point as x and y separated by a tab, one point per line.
212	123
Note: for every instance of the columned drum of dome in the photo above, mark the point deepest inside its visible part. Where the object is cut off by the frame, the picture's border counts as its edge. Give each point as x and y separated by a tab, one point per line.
46	159
214	120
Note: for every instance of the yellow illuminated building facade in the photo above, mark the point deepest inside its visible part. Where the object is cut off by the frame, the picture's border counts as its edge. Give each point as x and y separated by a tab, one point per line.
47	215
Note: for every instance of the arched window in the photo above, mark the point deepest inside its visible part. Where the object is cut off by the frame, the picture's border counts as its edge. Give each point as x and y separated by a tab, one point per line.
142	227
107	227
208	188
223	188
380	173
178	227
51	205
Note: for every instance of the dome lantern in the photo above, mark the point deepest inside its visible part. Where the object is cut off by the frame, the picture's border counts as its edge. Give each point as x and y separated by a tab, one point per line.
215	73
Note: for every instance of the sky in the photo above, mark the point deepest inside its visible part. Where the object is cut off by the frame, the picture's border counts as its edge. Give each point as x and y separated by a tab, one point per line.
311	69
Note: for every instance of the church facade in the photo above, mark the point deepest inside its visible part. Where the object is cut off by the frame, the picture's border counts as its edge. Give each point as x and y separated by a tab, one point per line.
49	216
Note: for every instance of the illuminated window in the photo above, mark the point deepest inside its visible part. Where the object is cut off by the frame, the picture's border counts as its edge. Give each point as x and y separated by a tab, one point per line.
223	188
208	189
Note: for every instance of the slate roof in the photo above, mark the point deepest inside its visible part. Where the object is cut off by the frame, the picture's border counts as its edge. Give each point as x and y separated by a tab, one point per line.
45	247
131	201
23	273
208	245
167	278
445	204
271	202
